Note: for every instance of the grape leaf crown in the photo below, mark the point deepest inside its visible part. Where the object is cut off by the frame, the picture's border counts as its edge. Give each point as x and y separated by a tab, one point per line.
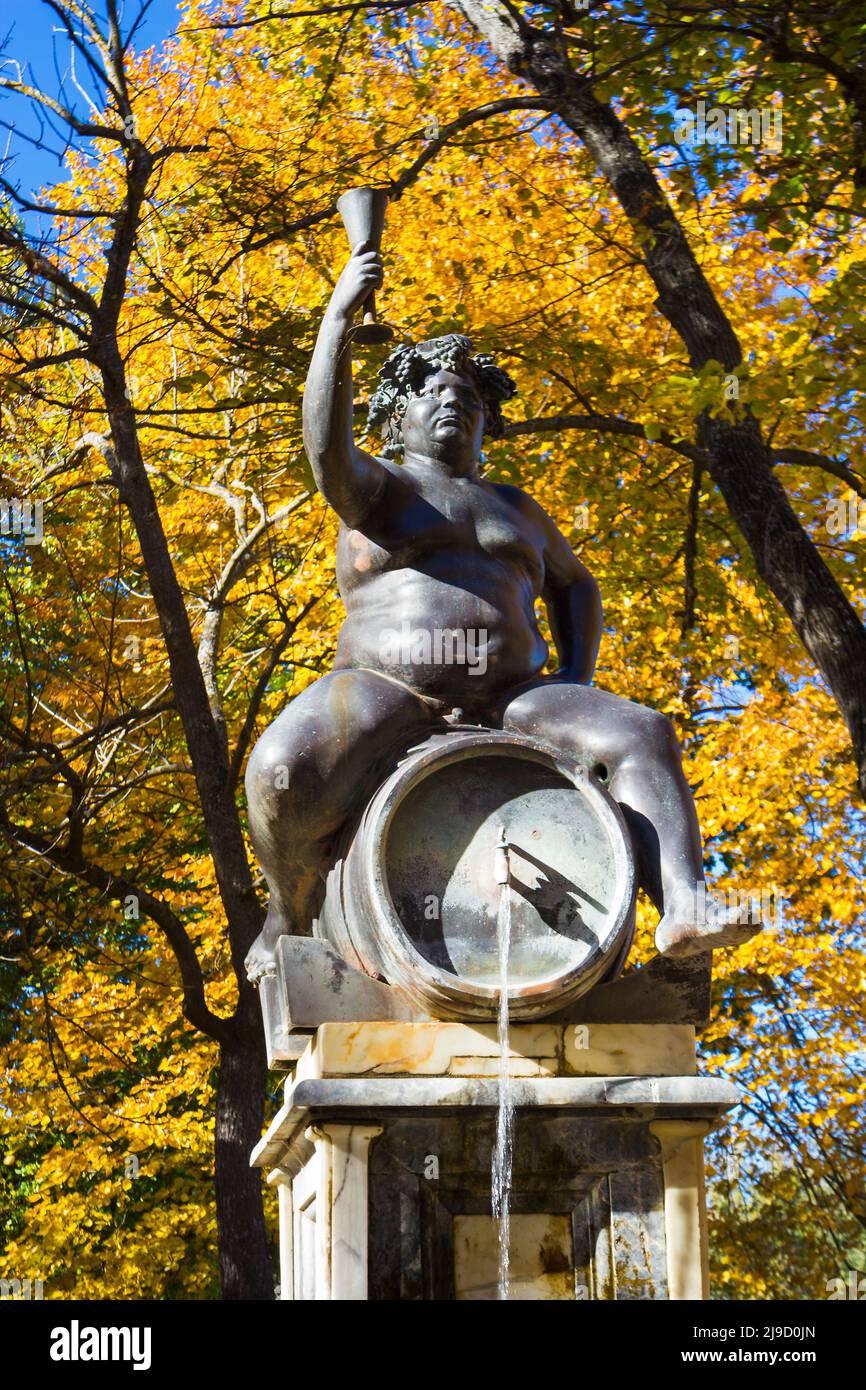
403	374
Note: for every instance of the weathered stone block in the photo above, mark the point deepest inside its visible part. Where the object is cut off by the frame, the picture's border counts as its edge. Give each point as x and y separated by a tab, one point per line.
382	1152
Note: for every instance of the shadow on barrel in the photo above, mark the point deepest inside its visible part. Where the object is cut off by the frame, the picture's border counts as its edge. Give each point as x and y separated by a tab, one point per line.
555	898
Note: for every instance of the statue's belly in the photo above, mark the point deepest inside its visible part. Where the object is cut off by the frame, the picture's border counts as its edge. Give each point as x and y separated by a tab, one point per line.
460	644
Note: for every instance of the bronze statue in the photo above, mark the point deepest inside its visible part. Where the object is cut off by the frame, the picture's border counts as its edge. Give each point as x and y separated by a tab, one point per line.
440	572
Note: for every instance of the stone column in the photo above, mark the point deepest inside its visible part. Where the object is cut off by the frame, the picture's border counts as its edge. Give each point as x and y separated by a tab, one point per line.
383	1147
282	1181
342	1153
682	1145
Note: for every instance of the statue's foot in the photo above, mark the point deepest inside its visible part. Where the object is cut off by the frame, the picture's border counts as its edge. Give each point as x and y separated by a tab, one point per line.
261	957
679	934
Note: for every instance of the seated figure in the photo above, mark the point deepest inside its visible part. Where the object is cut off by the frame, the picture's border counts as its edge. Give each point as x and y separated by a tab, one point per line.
440	573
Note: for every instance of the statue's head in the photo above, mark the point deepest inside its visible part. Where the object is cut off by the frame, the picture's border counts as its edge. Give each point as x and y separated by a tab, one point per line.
436	398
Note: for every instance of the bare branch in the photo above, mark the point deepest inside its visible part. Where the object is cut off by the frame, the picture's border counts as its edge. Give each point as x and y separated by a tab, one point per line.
43	268
614	424
397	186
238	561
92	130
806	458
462	122
119	887
260	690
603	424
51	209
350	7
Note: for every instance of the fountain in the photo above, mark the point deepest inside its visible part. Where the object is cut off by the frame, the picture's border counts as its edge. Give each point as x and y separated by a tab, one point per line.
503	1151
413	1032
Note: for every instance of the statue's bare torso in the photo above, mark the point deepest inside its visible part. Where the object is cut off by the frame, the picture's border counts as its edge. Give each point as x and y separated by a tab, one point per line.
396	574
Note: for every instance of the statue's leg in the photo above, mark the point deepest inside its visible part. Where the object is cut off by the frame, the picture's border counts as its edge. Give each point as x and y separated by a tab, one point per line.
304	779
636	751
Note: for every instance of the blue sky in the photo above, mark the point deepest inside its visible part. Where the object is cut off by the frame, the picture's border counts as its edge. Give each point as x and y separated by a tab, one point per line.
29	32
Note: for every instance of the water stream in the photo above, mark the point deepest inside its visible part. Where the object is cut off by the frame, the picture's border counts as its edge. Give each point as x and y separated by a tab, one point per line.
503	1151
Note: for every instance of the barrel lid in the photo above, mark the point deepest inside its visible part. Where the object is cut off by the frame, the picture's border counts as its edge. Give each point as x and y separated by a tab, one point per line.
430	864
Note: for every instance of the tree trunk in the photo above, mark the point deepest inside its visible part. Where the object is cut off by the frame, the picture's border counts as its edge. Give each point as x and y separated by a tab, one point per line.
784	556
245	1262
207	750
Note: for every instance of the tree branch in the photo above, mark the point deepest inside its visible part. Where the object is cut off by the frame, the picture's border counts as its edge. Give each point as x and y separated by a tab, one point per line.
42	268
603	424
805	458
119	887
616	424
238	561
462	122
260	690
397	186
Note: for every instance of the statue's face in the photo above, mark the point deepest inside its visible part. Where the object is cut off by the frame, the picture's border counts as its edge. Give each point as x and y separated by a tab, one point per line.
445	420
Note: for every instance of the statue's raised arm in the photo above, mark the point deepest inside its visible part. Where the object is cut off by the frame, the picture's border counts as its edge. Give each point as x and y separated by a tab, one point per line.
348	478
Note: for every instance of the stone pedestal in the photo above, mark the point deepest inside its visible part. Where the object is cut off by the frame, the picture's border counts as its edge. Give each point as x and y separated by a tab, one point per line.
382	1157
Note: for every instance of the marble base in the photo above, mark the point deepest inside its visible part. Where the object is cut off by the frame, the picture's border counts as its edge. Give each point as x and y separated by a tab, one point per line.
313	985
382	1153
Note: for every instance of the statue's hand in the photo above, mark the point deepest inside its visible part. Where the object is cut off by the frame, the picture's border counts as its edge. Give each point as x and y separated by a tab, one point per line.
361	275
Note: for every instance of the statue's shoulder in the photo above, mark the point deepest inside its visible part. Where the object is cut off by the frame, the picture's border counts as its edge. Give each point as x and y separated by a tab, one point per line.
517	498
391	466
394	471
510	493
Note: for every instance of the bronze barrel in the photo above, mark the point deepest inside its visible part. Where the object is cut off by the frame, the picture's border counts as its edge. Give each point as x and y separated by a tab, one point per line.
414	899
